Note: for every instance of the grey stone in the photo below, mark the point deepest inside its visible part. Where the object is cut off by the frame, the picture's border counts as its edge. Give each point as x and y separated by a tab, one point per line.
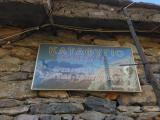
56	108
4	103
92	115
129	114
15	76
14	110
26	117
28	66
148	115
157	79
129	108
100	105
16	90
4	117
151	108
10	59
155	68
67	117
49	117
118	118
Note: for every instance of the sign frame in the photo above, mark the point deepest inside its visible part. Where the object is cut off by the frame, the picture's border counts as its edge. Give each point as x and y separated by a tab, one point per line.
85	90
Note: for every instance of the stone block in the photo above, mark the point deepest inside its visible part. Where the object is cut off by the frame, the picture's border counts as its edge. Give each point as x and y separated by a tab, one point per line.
152	52
67	34
28	66
49	117
56	108
27	117
3	52
122	39
15	76
146	97
100	105
92	115
135	109
151	59
44	100
118	117
67	117
24	53
10	59
106	43
9	67
14	110
148	116
53	94
16	89
4	117
151	108
5	103
149	44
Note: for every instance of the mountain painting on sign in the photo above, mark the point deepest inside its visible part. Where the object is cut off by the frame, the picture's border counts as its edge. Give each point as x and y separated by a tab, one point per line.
85	67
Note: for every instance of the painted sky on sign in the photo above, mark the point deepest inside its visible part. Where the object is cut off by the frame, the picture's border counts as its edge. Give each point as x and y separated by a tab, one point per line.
149	1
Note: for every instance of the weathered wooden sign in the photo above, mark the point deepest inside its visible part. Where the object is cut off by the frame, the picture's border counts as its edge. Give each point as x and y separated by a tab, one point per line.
85	67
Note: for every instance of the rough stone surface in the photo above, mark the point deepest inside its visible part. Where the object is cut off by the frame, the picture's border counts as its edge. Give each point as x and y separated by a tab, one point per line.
49	117
147	97
148	115
4	117
151	109
35	40
56	108
129	108
5	103
28	66
3	52
9	67
53	94
67	34
44	100
100	105
118	118
27	117
17	90
15	76
67	117
92	115
106	42
23	53
14	110
10	59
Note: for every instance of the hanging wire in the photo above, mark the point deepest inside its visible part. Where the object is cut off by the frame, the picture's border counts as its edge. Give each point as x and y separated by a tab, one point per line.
25	31
82	29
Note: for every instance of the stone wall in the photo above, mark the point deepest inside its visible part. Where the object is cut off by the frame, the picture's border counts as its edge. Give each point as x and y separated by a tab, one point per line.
18	102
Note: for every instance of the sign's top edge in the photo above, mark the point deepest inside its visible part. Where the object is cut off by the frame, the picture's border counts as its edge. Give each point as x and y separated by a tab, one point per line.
83	45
